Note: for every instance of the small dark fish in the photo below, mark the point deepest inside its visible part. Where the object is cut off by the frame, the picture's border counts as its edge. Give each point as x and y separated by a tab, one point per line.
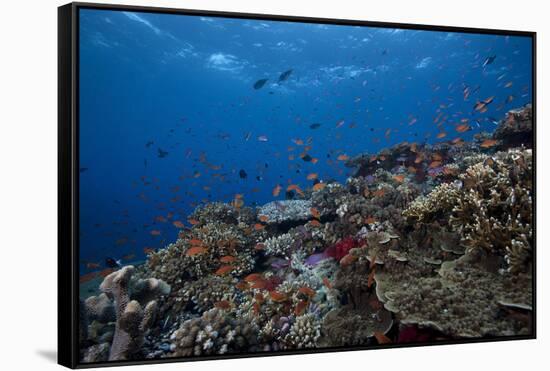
307	158
285	75
83	169
315	126
243	174
259	178
260	83
112	263
489	60
266	165
162	153
149	143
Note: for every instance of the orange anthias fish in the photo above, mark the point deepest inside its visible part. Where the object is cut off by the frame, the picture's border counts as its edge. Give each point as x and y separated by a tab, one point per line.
155	232
294	187
178	224
327	283
315	223
195	242
316	214
193	221
224	269
263	218
260	285
348	259
342	157
277	296
258	226
399	178
300	307
319	186
462	128
277	190
312	176
148	250
307	291
441	135
227	259
93	265
253	277
488	143
381	338
195	250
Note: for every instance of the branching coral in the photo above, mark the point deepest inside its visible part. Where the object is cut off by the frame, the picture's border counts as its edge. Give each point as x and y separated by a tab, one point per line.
216	332
304	332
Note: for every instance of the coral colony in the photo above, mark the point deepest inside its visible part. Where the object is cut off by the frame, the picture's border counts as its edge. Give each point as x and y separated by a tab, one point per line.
423	243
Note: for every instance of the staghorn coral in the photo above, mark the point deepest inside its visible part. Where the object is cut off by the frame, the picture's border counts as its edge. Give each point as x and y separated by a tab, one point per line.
278	212
281	245
215	332
441	199
494	212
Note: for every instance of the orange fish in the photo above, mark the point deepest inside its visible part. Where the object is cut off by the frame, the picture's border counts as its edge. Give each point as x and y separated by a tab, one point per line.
195	250
312	176
155	232
93	266
319	186
342	158
300	307
294	187
327	283
370	220
347	260
399	178
193	221
106	272
178	224
298	142
276	190
195	242
307	291
253	277
381	338
160	219
316	214
256	308
379	193
242	286
488	143
314	160
441	135
370	278
224	269
315	223
223	304
148	250
277	296
434	164
260	285
263	218
88	277
227	259
462	128
258	226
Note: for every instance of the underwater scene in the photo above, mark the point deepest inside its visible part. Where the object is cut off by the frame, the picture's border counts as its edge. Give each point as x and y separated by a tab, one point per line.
253	186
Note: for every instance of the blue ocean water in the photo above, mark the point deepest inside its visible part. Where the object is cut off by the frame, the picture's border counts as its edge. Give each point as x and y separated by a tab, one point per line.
169	115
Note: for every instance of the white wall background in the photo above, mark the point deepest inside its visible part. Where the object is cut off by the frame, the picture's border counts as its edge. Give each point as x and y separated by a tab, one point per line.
28	181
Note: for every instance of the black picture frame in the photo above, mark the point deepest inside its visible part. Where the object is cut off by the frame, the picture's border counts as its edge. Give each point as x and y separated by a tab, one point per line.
68	174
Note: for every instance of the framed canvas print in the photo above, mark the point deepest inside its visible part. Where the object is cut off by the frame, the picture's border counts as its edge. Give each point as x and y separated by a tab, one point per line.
236	185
